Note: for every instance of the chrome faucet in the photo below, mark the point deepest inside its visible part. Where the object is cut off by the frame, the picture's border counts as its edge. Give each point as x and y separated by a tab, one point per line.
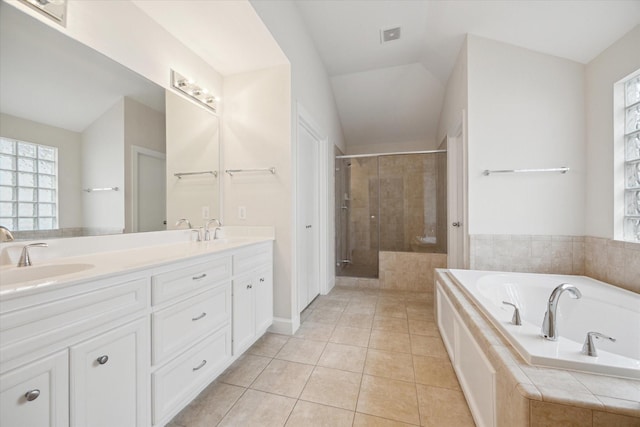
5	234
25	260
589	347
183	221
207	235
550	322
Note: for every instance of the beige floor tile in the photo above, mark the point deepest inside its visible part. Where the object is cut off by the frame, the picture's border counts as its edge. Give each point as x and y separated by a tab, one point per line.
391	324
334	304
442	407
420	313
283	377
345	357
364	420
306	414
423	327
244	370
333	387
361	308
355	320
301	350
390	341
389	398
314	331
435	371
428	346
351	336
209	407
321	315
256	408
398	366
268	345
389	311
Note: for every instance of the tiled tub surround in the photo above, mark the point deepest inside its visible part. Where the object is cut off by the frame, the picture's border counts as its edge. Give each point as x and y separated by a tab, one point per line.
611	261
527	395
409	271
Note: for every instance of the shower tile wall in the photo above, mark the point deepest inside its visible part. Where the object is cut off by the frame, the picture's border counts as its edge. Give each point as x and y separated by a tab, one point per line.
363	216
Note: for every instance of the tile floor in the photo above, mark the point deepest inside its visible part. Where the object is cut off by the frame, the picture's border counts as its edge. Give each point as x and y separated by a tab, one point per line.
361	357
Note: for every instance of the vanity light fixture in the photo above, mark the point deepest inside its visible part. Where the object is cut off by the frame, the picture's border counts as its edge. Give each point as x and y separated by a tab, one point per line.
53	9
194	92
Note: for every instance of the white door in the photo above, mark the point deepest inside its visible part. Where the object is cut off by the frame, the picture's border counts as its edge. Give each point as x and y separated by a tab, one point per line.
149	194
109	377
456	176
244	326
308	193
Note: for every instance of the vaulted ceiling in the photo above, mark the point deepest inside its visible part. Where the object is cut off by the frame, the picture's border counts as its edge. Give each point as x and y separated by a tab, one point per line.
393	92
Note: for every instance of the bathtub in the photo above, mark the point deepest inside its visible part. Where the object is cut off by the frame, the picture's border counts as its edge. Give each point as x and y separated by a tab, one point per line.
603	308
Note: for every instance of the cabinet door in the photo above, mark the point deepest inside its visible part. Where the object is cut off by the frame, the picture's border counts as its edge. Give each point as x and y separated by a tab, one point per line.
36	395
243	313
264	299
109	377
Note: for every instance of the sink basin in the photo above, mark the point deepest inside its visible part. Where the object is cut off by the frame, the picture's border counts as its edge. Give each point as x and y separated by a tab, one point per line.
39	272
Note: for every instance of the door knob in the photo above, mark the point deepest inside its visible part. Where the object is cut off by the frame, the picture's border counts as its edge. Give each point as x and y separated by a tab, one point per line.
457	224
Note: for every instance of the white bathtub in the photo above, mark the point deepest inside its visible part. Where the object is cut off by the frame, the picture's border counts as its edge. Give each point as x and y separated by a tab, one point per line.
603	308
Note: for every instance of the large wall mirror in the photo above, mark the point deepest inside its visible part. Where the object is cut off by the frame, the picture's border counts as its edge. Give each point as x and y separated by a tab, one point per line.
108	129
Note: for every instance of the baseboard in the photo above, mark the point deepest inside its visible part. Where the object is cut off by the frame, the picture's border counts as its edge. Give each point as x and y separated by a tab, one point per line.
281	326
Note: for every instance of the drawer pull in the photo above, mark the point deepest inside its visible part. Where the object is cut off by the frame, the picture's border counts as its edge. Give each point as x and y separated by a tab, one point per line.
102	359
193	319
202	276
204	362
262	279
32	395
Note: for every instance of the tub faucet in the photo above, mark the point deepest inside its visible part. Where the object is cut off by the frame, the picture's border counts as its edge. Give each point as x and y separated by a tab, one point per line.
550	322
207	235
183	221
5	234
589	347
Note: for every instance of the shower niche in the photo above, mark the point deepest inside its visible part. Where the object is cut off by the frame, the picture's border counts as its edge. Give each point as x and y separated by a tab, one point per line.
390	203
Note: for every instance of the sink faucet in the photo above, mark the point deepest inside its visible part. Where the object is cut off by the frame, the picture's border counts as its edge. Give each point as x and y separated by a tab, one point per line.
183	221
550	322
207	235
5	234
25	260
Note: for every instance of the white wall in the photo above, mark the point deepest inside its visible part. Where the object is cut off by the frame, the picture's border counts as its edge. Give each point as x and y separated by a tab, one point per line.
456	96
68	144
193	136
143	127
102	167
391	147
256	133
616	62
526	110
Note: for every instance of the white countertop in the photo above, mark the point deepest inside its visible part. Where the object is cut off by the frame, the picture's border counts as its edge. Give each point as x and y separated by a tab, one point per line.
117	262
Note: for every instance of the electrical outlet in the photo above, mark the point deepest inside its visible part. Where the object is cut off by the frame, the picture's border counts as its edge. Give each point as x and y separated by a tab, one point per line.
242	212
205	212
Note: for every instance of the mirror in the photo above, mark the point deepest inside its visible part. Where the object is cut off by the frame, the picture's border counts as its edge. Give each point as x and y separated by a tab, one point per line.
108	125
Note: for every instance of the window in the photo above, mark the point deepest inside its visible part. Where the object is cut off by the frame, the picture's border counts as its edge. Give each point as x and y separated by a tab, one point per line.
632	159
28	186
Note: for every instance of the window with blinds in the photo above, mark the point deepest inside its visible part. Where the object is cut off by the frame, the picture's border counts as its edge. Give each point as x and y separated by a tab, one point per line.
632	159
28	186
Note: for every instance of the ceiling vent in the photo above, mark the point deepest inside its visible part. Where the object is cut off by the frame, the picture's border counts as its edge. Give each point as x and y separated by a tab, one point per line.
389	35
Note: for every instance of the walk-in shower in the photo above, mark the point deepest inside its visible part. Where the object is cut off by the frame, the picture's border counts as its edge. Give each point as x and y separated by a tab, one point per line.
388	202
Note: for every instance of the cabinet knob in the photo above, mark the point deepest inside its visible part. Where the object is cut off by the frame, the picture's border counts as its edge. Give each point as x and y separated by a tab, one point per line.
32	395
193	319
102	359
249	286
204	362
262	279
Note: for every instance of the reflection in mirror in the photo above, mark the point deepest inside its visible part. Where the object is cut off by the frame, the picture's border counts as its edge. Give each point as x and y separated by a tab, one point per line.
105	123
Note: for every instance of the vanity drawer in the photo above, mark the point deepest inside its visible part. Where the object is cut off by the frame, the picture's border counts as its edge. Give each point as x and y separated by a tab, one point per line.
178	326
171	284
38	326
253	257
180	380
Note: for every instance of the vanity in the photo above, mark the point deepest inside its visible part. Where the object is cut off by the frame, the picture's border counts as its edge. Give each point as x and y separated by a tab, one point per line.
131	335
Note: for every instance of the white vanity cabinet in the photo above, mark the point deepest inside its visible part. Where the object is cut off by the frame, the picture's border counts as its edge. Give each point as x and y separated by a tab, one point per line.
36	394
252	295
108	378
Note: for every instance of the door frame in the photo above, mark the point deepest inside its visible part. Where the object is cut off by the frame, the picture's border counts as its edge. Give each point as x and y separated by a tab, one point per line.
304	119
136	151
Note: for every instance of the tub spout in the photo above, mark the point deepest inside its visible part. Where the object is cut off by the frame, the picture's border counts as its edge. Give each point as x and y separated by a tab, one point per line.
550	322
